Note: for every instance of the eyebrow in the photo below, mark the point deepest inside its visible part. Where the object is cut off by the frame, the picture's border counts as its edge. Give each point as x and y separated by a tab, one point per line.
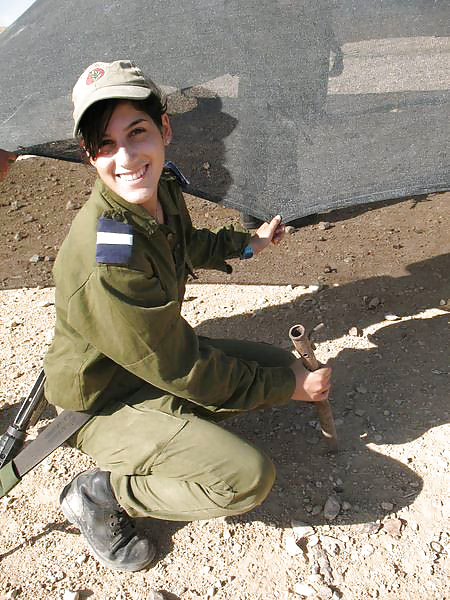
135	123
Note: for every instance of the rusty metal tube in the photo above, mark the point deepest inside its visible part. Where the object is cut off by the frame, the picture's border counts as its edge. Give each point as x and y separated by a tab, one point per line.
302	344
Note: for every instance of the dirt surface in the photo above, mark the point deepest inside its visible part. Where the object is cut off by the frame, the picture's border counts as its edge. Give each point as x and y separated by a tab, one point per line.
377	278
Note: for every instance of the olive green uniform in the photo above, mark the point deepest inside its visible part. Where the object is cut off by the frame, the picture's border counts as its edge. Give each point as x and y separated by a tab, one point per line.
121	344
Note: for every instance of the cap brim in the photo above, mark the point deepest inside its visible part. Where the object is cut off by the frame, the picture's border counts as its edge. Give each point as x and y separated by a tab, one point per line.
125	92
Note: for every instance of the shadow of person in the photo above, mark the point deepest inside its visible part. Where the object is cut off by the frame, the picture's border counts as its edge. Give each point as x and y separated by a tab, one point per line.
388	390
200	127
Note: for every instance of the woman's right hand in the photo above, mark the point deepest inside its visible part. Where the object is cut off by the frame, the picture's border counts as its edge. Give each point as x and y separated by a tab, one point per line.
6	158
311	386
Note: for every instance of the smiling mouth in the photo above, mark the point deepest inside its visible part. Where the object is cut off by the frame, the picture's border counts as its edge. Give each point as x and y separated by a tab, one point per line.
135	176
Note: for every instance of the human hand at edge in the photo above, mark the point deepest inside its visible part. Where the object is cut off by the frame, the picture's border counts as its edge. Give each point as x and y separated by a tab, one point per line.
6	158
267	233
311	386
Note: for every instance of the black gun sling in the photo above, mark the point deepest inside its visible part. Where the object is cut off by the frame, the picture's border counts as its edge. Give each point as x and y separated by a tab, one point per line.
56	433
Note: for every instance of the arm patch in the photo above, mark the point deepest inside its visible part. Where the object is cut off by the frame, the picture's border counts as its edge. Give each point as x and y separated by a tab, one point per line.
114	242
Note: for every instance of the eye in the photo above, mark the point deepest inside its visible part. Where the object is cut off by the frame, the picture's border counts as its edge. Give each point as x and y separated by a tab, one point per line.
105	142
137	131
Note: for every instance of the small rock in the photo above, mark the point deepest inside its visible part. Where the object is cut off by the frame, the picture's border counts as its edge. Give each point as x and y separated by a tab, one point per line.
442	302
290	545
19	236
369	528
12	593
304	589
81	558
360	412
71	205
374	303
36	258
56	576
361	389
70	595
391	317
436	547
313	540
156	595
324	225
354	332
346	506
45	303
301	530
393	527
13	324
330	545
316	509
324	592
328	269
331	508
367	550
289	229
387	506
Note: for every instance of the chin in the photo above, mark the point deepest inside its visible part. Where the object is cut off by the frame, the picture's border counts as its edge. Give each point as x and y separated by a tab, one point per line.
138	198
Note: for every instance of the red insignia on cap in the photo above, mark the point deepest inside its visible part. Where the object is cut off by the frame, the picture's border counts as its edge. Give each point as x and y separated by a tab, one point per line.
94	75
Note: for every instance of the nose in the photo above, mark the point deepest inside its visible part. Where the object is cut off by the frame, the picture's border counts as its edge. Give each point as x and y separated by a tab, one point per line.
124	155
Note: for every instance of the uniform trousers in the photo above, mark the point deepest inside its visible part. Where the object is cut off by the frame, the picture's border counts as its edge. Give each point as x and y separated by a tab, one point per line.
170	459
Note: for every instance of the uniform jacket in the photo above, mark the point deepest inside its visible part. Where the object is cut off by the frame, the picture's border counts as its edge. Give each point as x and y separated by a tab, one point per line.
120	280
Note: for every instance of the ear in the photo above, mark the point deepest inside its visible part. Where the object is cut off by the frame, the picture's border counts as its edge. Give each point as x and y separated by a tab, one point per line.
166	129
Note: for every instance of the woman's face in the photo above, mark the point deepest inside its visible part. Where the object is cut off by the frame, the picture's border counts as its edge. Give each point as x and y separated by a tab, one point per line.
131	155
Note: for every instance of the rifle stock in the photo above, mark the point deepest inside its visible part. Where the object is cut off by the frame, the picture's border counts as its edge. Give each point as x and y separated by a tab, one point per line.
31	408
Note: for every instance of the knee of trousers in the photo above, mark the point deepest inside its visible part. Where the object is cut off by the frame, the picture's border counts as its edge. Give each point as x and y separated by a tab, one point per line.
256	478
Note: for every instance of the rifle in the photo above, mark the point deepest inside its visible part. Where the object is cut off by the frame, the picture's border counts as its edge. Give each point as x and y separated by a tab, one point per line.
302	344
30	410
16	461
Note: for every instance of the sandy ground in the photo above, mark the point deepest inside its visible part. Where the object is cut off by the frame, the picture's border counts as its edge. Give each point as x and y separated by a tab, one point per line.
377	278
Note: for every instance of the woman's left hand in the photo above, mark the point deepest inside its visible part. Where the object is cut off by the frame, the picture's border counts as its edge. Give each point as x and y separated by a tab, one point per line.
272	232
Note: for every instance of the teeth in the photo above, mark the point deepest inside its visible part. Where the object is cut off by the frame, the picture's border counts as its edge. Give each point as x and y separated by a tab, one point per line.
132	176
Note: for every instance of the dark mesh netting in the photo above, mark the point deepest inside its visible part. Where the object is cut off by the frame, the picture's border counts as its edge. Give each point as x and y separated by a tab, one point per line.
278	106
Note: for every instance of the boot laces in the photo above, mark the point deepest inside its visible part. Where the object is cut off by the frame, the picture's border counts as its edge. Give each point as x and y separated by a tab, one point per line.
122	527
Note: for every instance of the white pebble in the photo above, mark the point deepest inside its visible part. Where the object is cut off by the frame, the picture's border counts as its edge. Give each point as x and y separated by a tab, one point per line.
301	530
291	547
391	317
367	550
304	590
70	595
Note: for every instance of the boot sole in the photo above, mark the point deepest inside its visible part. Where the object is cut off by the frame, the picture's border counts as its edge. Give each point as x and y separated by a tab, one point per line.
68	506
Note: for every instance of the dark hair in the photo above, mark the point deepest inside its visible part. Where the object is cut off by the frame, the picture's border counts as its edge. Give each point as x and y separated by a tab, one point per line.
95	120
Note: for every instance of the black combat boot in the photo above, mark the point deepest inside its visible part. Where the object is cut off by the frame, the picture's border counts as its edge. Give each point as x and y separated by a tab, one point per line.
89	503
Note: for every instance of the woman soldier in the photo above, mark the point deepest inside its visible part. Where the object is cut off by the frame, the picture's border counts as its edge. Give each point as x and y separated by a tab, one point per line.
123	350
